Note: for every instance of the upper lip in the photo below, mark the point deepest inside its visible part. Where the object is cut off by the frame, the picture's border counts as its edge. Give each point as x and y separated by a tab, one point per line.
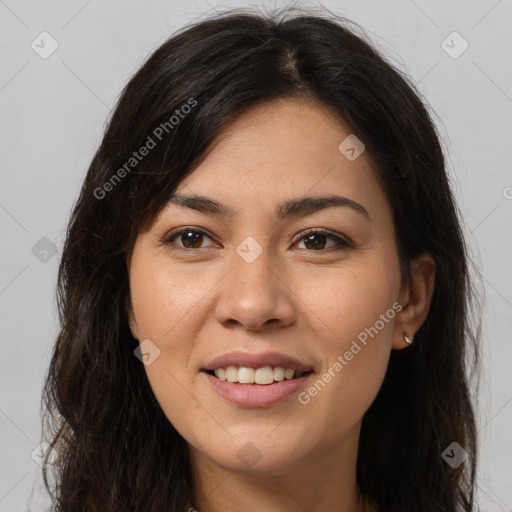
248	360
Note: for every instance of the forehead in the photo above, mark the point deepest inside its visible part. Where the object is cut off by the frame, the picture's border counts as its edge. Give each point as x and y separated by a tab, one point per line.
281	150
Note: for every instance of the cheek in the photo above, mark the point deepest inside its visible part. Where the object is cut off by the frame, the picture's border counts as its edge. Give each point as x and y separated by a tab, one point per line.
342	303
353	317
165	297
166	303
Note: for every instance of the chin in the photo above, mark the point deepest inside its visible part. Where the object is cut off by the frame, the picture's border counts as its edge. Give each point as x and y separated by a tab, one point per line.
257	456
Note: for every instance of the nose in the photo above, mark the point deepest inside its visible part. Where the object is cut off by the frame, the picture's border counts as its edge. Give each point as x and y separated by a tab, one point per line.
255	295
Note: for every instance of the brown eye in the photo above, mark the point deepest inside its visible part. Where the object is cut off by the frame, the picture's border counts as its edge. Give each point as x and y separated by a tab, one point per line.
188	238
193	238
316	241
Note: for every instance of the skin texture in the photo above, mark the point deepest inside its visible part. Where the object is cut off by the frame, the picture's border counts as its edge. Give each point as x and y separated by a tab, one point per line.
307	301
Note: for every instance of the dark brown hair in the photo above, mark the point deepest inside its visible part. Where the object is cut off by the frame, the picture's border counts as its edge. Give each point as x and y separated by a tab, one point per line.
117	450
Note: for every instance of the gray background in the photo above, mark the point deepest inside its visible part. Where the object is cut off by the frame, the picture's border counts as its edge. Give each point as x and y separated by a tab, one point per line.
52	117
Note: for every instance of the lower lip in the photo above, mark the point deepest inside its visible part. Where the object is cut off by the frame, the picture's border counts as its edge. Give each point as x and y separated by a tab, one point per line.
256	395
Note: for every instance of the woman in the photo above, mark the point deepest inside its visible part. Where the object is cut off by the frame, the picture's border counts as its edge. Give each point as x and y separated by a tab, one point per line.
264	288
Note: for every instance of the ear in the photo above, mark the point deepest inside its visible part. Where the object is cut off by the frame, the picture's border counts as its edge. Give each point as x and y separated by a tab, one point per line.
415	299
131	317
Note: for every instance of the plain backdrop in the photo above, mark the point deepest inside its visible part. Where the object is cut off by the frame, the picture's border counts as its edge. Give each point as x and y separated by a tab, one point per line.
53	110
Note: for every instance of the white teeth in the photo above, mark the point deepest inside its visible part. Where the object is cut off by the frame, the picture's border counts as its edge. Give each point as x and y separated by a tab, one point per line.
245	375
232	374
278	373
263	375
288	374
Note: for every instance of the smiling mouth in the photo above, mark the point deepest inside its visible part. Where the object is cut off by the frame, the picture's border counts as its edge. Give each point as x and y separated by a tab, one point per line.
261	376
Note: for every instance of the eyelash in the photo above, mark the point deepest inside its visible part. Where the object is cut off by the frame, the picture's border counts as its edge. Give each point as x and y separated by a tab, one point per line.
342	244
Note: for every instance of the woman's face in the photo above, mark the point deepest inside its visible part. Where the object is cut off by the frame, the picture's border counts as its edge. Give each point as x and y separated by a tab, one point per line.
266	287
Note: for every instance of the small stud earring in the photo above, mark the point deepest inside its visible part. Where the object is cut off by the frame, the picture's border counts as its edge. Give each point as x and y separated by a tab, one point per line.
407	339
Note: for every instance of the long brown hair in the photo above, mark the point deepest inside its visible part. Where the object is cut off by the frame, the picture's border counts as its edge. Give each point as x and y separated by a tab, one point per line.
117	450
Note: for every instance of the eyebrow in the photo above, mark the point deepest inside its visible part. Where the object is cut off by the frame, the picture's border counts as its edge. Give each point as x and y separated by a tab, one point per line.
291	208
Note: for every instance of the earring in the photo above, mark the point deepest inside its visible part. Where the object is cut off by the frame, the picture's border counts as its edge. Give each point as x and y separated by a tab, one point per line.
407	339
